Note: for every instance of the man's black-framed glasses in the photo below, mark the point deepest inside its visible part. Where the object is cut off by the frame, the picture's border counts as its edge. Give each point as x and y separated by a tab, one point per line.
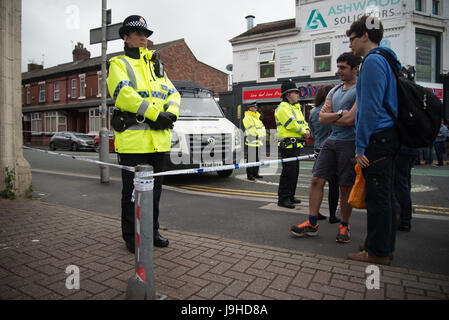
353	37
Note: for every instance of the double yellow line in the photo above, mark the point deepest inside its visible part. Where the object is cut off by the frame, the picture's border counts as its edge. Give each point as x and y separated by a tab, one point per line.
271	195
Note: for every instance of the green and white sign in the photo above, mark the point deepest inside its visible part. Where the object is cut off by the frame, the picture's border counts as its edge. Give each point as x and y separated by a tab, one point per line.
333	14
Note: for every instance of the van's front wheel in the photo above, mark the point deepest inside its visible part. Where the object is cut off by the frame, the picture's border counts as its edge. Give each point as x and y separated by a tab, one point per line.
225	173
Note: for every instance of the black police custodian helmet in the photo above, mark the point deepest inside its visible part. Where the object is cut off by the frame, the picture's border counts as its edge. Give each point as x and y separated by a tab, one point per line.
134	23
288	86
250	104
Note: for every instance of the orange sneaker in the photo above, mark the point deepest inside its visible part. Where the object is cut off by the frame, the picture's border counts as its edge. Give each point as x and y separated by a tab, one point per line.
344	234
304	228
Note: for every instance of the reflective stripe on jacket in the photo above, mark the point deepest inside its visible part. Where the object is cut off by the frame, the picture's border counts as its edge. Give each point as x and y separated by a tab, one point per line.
290	122
254	129
134	86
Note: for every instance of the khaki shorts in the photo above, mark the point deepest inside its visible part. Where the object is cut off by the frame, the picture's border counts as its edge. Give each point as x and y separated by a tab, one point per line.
336	157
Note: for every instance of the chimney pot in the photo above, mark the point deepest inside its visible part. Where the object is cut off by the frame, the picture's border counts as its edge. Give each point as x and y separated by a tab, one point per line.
250	21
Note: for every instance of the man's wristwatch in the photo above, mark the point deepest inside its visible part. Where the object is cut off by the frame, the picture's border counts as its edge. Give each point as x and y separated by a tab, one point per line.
340	113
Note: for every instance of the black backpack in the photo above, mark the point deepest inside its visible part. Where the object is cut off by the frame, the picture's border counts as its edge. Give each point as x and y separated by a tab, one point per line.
419	111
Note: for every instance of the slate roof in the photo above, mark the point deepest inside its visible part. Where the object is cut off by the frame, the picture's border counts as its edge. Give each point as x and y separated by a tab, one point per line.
268	27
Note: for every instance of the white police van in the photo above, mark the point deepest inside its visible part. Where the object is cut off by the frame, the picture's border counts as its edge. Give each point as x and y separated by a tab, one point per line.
202	136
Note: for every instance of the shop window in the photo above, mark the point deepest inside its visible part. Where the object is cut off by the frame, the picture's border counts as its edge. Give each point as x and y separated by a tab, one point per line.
322	57
94	120
82	86
55	121
41	91
73	89
56	91
266	64
36	123
426	57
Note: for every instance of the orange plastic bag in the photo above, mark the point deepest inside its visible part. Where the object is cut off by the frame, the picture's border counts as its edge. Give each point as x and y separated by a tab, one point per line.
357	195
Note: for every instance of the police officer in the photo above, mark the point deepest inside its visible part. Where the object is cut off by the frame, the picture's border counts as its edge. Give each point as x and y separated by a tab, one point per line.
142	92
254	135
291	129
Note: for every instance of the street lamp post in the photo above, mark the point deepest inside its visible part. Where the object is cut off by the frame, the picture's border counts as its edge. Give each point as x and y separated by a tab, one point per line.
104	135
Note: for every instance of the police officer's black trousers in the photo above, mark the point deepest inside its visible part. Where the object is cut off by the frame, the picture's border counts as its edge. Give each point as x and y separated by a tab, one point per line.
132	159
252	155
289	174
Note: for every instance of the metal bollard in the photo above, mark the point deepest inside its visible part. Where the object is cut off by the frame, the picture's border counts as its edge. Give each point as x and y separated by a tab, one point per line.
141	286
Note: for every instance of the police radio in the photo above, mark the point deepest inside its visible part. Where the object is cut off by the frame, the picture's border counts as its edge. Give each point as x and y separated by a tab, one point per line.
158	65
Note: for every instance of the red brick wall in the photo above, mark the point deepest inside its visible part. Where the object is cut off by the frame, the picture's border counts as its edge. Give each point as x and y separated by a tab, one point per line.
181	64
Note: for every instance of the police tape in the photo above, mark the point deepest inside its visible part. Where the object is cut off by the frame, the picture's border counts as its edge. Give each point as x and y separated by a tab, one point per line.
185	171
82	159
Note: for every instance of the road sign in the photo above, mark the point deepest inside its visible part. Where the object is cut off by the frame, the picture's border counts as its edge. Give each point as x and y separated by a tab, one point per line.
111	33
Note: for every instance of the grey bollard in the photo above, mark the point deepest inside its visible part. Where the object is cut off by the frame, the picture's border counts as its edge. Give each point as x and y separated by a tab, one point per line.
141	286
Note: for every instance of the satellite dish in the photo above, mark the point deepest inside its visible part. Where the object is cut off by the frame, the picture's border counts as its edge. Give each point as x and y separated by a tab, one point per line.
229	67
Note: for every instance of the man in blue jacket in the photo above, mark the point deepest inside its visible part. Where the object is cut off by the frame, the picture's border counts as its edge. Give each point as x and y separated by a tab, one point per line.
377	141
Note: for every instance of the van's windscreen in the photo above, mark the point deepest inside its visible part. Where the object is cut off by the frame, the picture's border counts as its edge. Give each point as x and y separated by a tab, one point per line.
199	106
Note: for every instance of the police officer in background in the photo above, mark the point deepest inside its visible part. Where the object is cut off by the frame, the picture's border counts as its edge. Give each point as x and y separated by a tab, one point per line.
254	135
291	129
147	104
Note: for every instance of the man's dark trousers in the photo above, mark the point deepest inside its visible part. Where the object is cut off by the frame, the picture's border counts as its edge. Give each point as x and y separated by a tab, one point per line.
128	216
404	163
289	174
379	193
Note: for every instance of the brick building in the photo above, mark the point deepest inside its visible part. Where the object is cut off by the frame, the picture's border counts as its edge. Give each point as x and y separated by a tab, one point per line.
67	97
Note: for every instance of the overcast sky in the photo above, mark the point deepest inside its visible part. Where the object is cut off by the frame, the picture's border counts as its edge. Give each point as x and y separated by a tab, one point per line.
51	28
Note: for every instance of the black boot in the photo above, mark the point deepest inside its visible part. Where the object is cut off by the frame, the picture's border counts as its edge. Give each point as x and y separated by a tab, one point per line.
160	241
286	203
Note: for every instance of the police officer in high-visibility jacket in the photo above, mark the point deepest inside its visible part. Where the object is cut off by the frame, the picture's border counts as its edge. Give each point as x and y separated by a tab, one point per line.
292	129
254	135
149	102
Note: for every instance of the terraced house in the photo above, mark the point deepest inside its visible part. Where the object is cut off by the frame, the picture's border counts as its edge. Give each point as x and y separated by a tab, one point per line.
67	97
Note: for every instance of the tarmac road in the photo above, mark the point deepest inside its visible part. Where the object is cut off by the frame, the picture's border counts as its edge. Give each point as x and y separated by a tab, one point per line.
224	207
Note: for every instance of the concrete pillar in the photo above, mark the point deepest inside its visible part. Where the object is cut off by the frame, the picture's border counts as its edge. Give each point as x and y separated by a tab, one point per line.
11	154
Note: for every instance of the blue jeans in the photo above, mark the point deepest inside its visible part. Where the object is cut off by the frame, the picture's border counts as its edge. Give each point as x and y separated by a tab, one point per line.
428	154
379	193
440	149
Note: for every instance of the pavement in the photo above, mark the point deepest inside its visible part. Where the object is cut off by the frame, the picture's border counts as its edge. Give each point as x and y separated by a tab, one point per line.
40	241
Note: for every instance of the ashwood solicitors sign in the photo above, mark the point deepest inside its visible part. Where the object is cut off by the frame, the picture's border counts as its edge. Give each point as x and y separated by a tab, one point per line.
333	14
273	93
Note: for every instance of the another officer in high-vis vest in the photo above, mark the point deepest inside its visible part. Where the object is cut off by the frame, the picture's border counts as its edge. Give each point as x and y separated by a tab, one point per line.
292	129
148	104
254	135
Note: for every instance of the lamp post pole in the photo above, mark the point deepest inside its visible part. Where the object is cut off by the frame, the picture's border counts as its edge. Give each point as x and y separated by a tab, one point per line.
104	135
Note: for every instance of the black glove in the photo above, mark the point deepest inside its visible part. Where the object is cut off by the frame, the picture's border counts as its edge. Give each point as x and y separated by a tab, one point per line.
165	120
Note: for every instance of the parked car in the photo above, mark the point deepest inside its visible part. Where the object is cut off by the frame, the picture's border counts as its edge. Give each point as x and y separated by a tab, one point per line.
111	142
71	140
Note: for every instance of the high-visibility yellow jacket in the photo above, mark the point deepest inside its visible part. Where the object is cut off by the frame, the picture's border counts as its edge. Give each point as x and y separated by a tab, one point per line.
134	86
290	122
254	129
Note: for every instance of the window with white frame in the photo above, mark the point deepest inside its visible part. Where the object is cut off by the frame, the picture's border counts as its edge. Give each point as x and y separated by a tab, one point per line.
426	57
266	64
41	91
322	57
56	91
27	94
420	5
73	88
82	86
436	7
110	112
36	123
99	84
55	121
94	120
